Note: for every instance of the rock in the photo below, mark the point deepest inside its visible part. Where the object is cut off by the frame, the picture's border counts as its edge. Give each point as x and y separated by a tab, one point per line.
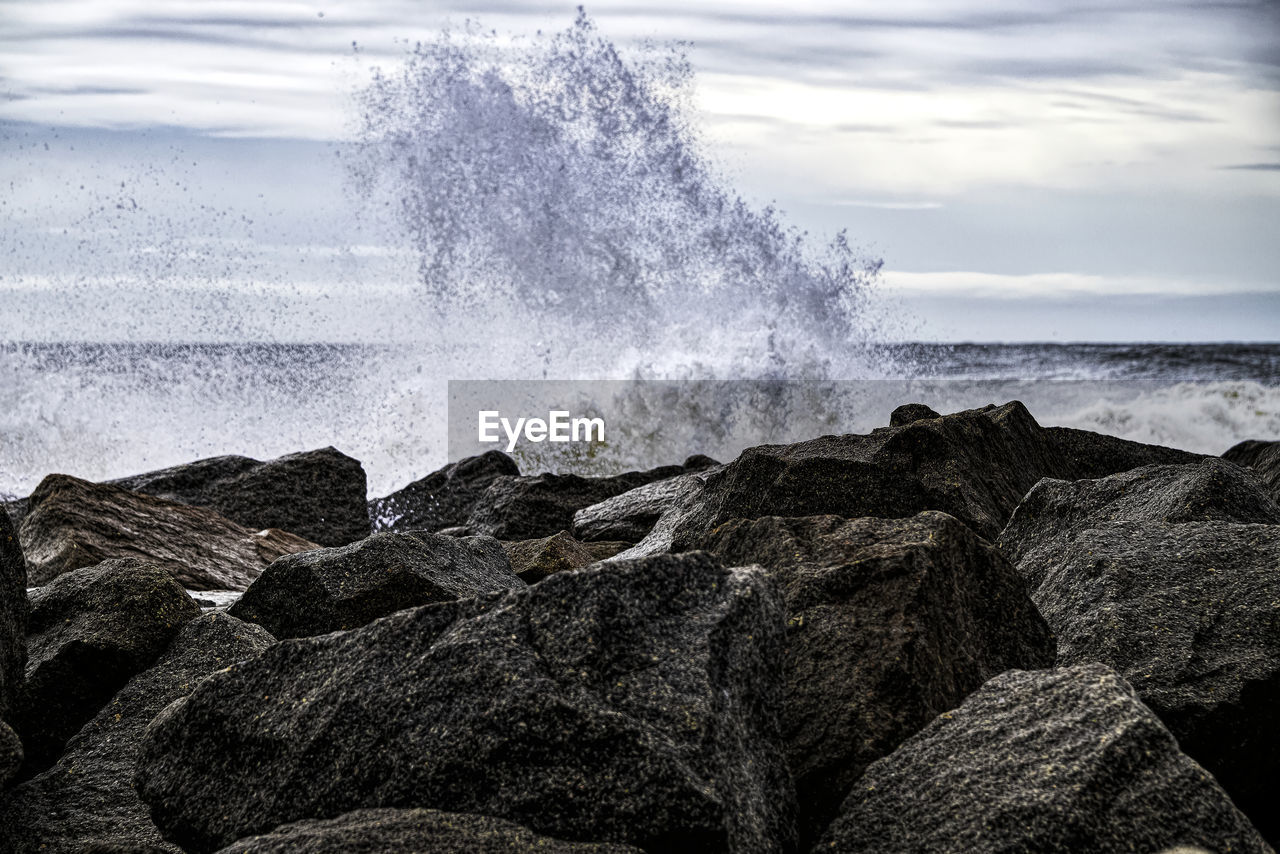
13	613
632	515
605	549
527	508
74	523
87	798
90	630
329	590
1052	761
534	560
1263	458
316	495
890	622
975	465
444	498
633	702
412	830
10	754
909	413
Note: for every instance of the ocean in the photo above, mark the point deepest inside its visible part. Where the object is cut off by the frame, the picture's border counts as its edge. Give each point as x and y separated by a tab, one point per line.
99	411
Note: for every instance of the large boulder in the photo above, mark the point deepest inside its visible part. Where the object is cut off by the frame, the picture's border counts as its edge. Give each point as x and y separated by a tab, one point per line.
316	495
74	523
1263	458
1147	573
13	613
442	499
87	799
90	630
328	590
975	465
1050	761
412	830
890	622
527	508
634	703
632	515
534	560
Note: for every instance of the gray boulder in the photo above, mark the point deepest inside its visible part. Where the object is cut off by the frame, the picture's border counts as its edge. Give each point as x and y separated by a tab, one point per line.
87	798
890	622
442	499
634	703
412	830
632	515
74	523
1055	762
13	613
90	630
1263	458
328	590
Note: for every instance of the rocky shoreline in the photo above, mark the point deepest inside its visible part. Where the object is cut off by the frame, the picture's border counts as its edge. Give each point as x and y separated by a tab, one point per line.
957	633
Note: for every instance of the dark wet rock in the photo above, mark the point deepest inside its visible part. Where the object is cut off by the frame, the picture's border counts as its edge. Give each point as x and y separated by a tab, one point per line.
412	830
442	499
10	754
634	702
909	413
1263	458
90	630
334	589
527	508
1187	611
975	465
74	523
534	560
1051	761
632	515
87	799
13	613
890	622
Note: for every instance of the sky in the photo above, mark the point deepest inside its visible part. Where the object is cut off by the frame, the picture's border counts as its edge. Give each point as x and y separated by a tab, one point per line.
1026	170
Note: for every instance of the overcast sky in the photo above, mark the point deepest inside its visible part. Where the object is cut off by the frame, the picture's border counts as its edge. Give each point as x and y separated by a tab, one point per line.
1027	170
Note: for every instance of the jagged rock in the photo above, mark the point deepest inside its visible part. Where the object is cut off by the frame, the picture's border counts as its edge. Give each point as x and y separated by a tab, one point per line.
975	465
412	830
1126	574
13	613
316	495
909	413
890	622
1051	761
10	754
333	589
87	798
1263	458
74	523
632	515
444	498
633	702
605	549
89	631
534	560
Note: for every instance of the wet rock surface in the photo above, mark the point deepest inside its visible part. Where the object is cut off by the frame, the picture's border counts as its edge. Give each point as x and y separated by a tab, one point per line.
334	589
444	498
890	622
1050	761
631	515
90	630
10	755
74	523
87	798
1264	460
412	830
13	613
633	703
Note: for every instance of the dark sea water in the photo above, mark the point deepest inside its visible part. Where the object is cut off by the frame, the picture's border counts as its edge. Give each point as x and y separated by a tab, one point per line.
108	410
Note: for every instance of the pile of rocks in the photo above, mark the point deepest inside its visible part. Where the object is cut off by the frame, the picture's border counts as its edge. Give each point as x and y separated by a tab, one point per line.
957	633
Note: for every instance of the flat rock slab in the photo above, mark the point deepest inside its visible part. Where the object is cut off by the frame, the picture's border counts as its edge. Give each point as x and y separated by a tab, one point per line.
412	830
442	499
13	613
635	703
330	590
91	630
890	622
87	799
74	523
1052	761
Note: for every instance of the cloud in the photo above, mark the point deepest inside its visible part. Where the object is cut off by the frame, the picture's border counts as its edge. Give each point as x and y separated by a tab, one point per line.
1254	167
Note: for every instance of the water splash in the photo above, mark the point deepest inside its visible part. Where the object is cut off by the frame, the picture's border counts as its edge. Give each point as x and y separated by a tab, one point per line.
569	222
